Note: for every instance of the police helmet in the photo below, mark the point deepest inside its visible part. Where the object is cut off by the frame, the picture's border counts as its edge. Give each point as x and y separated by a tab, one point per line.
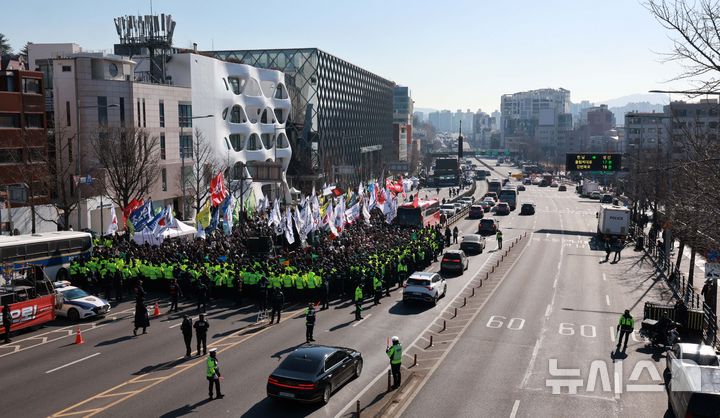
395	339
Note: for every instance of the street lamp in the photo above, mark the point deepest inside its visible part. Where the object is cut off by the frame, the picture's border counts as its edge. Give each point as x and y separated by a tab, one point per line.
183	151
77	166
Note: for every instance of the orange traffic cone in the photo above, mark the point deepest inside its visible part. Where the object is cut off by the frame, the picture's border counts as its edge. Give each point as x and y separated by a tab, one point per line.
157	310
78	337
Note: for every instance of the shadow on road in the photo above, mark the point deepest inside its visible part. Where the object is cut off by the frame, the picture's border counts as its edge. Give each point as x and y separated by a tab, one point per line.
166	365
409	308
278	355
185	409
114	341
340	326
280	408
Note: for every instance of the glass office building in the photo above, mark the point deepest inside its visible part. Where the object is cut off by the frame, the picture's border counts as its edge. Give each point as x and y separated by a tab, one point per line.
341	121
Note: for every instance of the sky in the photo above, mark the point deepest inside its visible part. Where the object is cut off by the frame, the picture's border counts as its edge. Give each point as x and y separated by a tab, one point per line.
453	54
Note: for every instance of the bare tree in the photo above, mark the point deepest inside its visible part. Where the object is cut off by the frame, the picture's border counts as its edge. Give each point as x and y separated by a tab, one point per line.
130	158
61	169
695	28
31	170
200	166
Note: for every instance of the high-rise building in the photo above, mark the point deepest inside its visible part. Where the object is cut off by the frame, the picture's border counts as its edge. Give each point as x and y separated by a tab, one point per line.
342	117
541	116
402	123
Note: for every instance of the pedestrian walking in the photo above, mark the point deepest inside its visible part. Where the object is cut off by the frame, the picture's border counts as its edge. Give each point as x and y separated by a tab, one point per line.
456	232
201	328
619	245
139	292
187	329
325	294
358	302
309	322
608	250
277	304
202	297
213	374
377	287
394	352
7	321
142	318
625	327
499	238
448	234
175	293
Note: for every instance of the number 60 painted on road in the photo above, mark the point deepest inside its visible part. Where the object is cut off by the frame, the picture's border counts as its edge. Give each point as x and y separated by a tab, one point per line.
497	321
567	328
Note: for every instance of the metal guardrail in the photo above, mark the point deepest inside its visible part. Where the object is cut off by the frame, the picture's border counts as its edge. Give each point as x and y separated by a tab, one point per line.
464	211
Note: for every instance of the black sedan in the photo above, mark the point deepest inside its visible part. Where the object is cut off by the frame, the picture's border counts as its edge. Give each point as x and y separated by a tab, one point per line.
312	373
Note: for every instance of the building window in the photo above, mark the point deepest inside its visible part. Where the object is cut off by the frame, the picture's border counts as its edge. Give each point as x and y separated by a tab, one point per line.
237	84
185	115
10	155
102	110
237	115
164	179
69	148
66	68
186	149
36	155
7	83
68	120
237	141
162	146
9	120
162	114
31	86
144	121
122	111
34	121
138	114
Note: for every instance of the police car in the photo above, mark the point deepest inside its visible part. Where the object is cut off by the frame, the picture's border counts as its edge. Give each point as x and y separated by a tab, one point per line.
77	304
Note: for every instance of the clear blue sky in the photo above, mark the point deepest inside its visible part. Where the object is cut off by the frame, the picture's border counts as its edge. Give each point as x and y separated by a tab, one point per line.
452	54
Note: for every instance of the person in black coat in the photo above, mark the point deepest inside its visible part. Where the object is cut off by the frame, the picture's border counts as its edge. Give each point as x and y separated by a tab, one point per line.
142	318
202	297
201	328
7	321
187	329
118	285
277	304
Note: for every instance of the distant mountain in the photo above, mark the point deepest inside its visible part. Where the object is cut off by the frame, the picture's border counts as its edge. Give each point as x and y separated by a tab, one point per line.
654	98
620	111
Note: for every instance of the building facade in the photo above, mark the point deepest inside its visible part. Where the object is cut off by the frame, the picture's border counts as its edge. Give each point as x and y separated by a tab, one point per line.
341	123
402	123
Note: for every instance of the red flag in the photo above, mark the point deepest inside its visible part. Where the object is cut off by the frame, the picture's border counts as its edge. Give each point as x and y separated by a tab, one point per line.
131	207
380	195
217	189
416	201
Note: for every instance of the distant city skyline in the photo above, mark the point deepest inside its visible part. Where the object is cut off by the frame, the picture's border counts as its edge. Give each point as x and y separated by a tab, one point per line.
464	55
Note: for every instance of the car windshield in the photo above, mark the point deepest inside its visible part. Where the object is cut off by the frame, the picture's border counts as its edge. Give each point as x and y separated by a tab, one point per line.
452	256
448	207
301	363
487	222
74	294
502	204
418	282
471	238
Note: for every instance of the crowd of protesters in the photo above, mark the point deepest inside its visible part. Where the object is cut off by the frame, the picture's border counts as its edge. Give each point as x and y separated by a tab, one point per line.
221	265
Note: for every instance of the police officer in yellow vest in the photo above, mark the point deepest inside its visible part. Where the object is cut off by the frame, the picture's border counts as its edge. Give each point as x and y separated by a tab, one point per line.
358	302
625	328
377	287
395	354
213	374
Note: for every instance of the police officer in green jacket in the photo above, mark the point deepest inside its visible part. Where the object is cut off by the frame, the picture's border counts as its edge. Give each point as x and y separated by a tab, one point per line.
358	302
394	352
213	374
625	328
377	287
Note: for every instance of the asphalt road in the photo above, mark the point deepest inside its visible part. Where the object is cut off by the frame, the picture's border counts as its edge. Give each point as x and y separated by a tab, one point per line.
116	374
554	313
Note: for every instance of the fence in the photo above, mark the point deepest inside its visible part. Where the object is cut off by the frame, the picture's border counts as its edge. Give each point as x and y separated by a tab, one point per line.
678	283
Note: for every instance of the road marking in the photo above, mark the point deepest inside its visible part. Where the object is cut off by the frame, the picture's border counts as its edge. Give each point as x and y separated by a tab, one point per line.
72	362
515	408
360	321
439	316
604	277
607	300
547	311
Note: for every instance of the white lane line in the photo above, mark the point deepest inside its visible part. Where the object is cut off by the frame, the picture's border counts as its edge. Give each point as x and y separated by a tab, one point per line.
547	311
72	362
360	321
515	408
607	300
604	277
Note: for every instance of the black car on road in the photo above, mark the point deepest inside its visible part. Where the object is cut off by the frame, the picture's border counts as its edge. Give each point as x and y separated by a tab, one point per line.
527	209
312	373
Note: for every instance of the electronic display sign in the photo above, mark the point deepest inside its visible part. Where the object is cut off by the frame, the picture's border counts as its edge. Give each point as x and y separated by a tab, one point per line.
592	162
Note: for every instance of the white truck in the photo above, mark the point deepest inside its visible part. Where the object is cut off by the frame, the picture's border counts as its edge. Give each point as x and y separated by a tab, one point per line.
613	221
589	186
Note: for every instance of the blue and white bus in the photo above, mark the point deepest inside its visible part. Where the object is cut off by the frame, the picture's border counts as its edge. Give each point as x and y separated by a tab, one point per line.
52	250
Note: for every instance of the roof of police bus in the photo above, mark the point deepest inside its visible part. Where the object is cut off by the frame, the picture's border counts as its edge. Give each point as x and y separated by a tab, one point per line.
45	236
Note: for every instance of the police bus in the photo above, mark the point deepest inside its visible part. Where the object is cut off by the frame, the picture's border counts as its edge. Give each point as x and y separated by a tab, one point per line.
53	251
426	213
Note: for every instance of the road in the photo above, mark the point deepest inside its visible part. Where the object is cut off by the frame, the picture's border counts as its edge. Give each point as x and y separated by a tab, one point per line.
559	304
116	374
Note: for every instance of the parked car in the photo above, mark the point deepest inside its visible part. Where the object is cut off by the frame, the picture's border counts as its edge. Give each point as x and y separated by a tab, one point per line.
488	226
536	181
476	212
312	373
595	195
455	261
448	209
494	195
527	208
468	200
520	188
562	188
554	184
424	286
502	208
691	380
78	304
527	181
606	198
543	183
472	244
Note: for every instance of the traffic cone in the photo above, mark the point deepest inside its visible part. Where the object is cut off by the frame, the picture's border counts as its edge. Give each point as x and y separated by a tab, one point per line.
78	337
157	310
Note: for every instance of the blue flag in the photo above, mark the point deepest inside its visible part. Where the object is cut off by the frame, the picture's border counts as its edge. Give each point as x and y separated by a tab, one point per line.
141	216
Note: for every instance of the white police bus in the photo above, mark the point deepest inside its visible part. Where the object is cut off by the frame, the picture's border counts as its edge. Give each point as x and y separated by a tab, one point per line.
52	250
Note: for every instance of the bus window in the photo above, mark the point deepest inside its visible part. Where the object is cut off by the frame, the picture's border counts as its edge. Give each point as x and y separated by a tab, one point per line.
37	249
